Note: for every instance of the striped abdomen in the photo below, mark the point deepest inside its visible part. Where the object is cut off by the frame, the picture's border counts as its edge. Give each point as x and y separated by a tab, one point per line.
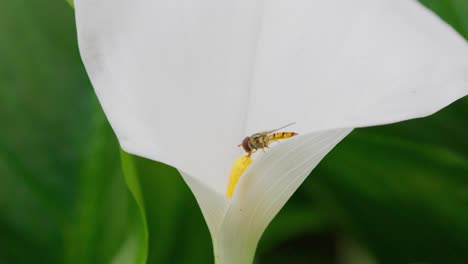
281	135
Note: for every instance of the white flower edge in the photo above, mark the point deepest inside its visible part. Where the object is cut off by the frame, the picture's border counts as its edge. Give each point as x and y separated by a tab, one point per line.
236	225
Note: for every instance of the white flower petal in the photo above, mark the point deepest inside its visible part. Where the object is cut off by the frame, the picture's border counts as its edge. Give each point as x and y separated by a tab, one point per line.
173	77
213	204
341	63
183	81
236	225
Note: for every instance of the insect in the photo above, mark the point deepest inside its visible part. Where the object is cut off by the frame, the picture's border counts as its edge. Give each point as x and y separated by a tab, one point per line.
261	140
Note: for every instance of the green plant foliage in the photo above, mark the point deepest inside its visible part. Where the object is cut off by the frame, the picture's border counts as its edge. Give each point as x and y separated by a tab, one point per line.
63	198
403	197
44	98
453	12
105	225
394	194
176	229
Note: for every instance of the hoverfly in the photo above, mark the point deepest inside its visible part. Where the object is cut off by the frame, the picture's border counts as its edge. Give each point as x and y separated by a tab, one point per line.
263	139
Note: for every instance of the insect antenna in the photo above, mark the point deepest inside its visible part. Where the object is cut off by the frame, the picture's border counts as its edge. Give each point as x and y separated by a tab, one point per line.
274	130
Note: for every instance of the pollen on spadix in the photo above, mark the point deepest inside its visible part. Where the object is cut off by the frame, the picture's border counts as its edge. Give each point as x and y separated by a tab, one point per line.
238	168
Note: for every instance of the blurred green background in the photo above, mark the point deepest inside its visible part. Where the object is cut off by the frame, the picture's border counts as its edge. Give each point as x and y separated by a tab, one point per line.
389	194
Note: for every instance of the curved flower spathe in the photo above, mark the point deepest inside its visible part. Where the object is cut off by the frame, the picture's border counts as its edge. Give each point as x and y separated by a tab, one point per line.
183	81
236	225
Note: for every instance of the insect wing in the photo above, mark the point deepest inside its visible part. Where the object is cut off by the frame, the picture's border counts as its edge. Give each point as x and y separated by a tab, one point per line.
259	135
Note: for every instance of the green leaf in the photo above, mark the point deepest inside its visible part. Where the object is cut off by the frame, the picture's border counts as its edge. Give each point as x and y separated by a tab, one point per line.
70	2
106	226
399	195
44	96
63	198
453	12
176	229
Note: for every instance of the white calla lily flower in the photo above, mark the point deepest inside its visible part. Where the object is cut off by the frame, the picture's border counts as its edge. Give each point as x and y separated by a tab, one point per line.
184	81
